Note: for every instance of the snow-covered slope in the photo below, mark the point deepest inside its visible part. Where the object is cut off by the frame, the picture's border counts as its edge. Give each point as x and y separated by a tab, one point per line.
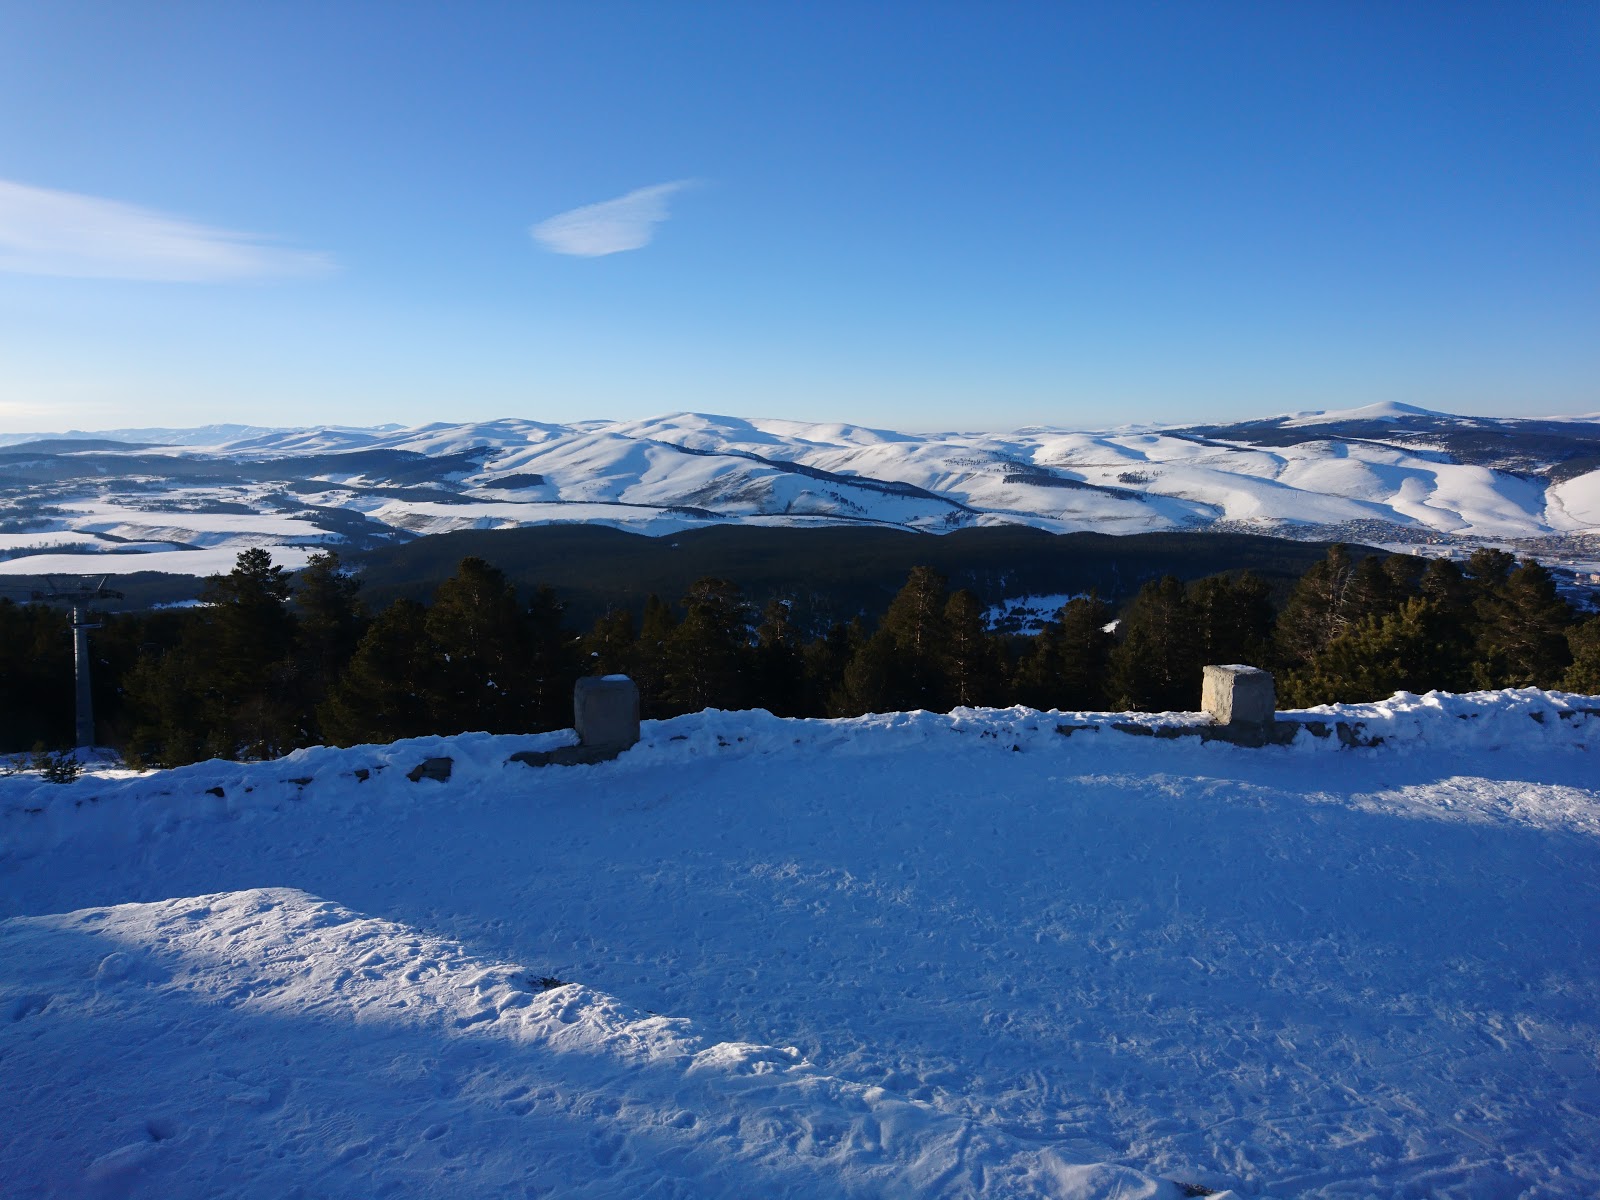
1384	472
912	955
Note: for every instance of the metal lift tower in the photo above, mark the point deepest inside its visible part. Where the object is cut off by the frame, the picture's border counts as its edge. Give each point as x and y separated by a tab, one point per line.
80	598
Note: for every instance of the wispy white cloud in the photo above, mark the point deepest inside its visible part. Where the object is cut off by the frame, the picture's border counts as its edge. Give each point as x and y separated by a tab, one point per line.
626	223
44	232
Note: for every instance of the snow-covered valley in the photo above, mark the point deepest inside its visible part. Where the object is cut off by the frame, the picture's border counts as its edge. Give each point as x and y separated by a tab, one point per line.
900	955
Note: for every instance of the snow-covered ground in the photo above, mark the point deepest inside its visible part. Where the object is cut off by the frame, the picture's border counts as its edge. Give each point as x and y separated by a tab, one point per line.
895	956
111	538
212	561
1026	614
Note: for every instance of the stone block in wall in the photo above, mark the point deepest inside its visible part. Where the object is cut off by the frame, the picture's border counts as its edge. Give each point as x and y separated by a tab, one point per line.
605	712
1238	695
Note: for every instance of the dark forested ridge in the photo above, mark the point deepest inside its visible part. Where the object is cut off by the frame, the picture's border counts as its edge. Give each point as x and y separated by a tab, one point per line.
1557	449
273	662
828	573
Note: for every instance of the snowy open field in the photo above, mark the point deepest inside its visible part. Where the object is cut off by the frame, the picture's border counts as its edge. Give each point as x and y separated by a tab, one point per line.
894	956
213	561
121	539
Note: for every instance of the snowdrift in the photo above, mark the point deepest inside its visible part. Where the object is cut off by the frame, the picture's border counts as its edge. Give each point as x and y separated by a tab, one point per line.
992	953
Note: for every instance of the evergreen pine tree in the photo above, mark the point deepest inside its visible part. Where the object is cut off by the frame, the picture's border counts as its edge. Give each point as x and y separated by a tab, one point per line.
1156	665
902	666
1522	630
1317	611
389	688
1405	573
483	640
231	686
173	722
1487	571
1068	663
332	620
779	673
918	635
709	659
826	658
553	662
117	646
1086	645
1444	584
1374	591
972	665
1583	641
1233	618
650	659
247	672
1419	647
36	677
252	624
872	680
611	645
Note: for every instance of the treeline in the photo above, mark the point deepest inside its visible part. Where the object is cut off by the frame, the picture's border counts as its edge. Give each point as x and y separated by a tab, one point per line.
270	663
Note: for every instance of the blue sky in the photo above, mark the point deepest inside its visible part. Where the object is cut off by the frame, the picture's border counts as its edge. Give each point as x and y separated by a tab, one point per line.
922	216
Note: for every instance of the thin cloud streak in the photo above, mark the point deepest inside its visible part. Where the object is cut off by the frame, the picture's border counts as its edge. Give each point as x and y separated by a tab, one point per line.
45	232
626	223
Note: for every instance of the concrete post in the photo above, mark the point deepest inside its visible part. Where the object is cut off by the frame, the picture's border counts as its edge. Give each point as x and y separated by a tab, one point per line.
1238	695
605	712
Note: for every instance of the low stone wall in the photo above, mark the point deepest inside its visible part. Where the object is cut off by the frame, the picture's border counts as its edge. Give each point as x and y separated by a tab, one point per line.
1240	704
1239	708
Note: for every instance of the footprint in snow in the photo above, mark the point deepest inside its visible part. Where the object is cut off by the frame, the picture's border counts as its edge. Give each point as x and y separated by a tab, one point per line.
605	1147
123	1161
30	1005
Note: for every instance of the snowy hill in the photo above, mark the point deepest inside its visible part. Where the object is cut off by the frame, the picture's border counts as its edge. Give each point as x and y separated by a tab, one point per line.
910	955
1387	473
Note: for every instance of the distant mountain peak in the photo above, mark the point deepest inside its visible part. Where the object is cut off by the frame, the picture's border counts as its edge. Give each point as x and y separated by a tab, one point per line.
1384	410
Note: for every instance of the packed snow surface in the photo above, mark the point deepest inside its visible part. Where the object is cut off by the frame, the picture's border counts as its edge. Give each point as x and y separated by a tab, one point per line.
905	955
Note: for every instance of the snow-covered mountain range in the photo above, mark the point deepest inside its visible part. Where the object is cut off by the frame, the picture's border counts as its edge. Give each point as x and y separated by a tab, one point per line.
187	500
